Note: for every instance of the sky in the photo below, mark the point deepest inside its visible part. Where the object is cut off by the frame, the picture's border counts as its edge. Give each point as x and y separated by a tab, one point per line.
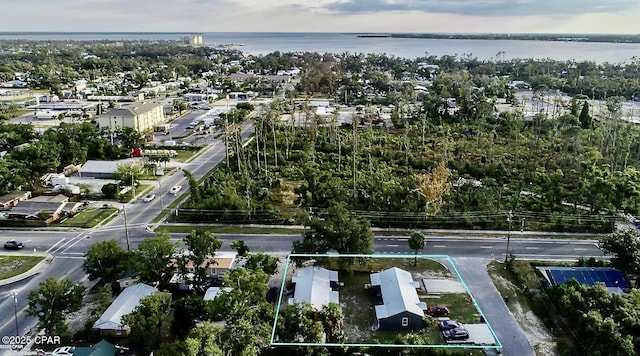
426	16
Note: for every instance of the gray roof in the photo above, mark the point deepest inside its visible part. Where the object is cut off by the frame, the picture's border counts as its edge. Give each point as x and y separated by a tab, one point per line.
398	293
42	203
125	303
132	110
313	286
105	166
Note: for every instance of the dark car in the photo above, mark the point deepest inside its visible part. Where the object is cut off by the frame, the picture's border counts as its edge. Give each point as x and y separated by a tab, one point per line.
456	334
438	310
449	324
13	245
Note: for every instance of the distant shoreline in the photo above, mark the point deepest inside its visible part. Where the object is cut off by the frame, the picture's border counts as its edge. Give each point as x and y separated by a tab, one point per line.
508	36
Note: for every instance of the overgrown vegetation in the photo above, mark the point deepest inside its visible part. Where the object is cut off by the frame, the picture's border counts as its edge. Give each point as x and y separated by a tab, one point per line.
584	319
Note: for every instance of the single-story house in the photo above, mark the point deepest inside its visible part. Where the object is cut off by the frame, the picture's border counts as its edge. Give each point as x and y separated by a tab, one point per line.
51	206
110	323
218	265
398	306
315	285
12	199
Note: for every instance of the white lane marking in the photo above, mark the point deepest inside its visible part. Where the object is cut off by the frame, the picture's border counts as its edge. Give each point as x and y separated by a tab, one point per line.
54	245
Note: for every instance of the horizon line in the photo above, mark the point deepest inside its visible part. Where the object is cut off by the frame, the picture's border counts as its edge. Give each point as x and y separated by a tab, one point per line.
326	32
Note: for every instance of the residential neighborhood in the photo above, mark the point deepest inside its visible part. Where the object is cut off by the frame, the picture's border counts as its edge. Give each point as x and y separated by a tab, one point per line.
173	198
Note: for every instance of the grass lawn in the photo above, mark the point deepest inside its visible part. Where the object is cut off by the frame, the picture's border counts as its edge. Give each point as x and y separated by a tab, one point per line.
358	304
185	155
88	218
11	266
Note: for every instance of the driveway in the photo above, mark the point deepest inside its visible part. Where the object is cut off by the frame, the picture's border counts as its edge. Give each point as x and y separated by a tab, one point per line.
474	273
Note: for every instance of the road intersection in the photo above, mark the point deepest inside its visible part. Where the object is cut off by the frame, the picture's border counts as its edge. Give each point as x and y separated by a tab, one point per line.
66	248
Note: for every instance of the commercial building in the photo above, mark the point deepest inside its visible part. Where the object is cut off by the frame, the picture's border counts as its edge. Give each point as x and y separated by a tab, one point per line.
141	116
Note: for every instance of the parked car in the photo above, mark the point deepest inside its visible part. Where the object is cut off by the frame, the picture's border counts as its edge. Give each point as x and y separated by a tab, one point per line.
149	198
438	310
13	245
64	350
456	334
450	324
175	189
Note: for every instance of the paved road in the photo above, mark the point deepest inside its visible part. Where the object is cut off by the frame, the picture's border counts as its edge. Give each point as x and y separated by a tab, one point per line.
470	252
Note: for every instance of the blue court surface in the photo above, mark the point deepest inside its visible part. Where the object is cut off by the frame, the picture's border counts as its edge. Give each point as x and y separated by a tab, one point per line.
610	277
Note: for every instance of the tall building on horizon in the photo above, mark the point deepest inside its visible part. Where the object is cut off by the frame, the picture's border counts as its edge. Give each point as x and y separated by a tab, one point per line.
194	40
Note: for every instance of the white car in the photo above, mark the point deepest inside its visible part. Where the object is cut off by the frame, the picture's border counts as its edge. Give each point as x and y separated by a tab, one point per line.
64	350
175	189
149	198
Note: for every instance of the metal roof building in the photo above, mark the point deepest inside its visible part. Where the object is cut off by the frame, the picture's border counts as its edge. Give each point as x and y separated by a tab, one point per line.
400	307
315	285
110	321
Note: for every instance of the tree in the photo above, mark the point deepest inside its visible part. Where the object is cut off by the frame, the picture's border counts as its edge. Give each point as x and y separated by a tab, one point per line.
268	264
202	246
296	324
110	190
153	259
336	229
240	246
106	260
150	320
188	311
433	187
585	118
205	339
53	302
128	174
130	138
625	244
247	314
332	320
417	242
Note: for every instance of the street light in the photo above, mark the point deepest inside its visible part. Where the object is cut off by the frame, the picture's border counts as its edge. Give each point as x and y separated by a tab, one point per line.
15	311
160	189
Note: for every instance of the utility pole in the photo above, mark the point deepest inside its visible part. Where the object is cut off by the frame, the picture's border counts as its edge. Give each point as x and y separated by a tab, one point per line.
133	187
509	220
126	228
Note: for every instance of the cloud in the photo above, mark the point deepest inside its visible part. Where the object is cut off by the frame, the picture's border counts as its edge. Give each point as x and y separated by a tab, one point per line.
486	7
